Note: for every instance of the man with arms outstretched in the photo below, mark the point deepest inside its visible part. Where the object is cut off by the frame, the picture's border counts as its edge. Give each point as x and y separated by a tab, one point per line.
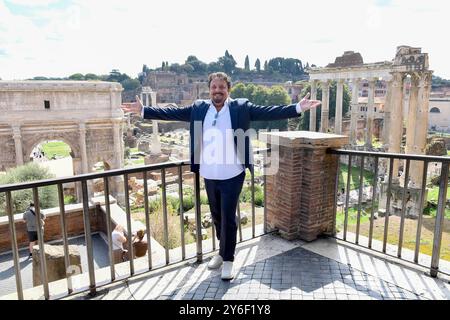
216	153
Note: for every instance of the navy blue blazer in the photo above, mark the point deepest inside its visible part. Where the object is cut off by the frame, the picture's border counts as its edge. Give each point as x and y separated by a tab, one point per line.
242	112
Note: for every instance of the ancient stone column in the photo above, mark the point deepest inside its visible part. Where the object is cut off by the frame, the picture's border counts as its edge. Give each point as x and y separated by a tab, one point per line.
313	113
84	162
17	135
325	106
387	114
156	144
354	111
152	99
339	101
301	201
370	113
396	119
143	99
118	143
416	140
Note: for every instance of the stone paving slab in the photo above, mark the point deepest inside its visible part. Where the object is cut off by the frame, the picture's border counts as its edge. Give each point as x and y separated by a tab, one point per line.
295	273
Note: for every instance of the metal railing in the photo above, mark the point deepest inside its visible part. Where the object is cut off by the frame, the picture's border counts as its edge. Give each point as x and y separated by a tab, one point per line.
440	211
105	176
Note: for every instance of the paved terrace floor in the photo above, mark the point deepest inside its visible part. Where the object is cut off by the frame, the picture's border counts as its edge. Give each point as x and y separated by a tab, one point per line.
270	267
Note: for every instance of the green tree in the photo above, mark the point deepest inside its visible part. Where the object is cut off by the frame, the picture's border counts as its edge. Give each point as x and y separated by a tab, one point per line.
261	95
238	90
187	68
247	63
198	66
131	84
227	63
76	76
258	65
21	199
176	67
91	76
116	76
214	67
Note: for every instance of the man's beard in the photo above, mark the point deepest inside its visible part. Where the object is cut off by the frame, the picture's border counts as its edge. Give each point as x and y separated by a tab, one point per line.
218	98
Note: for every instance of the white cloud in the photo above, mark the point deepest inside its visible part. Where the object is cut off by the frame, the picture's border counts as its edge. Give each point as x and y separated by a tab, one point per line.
96	36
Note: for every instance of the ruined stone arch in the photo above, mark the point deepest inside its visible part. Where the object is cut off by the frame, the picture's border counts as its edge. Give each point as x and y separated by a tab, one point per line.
86	115
35	139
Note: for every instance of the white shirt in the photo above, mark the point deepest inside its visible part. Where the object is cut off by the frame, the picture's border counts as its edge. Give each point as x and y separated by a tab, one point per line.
116	235
218	157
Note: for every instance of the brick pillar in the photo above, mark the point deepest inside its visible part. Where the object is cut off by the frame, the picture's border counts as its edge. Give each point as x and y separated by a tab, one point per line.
301	193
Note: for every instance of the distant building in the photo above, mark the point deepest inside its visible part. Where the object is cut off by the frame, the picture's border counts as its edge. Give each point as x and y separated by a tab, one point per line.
439	116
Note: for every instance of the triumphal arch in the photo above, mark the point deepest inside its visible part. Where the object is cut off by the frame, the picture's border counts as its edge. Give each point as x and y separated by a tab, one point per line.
86	115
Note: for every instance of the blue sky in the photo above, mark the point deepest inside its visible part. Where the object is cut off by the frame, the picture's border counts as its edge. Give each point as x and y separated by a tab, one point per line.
61	37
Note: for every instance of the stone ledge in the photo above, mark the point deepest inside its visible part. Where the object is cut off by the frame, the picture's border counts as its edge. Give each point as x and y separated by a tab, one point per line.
68	208
305	139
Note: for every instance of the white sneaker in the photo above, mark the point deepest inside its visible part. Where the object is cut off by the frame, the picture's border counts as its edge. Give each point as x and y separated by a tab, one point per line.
215	262
227	270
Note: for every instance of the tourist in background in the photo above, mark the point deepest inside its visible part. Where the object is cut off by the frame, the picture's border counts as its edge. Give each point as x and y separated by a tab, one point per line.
120	254
30	219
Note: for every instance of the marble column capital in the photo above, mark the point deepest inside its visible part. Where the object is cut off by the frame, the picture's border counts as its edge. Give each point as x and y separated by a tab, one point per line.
17	133
425	79
82	127
117	122
325	83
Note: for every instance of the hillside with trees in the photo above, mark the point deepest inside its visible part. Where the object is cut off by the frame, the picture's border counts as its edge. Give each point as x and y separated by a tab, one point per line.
274	70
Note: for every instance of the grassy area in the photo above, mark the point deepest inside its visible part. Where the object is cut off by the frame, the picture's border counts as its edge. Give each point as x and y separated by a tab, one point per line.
57	148
137	161
354	179
69	199
352	217
410	229
433	194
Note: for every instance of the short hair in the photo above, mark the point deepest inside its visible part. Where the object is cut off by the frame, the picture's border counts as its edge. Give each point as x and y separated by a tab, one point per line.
221	76
31	204
140	234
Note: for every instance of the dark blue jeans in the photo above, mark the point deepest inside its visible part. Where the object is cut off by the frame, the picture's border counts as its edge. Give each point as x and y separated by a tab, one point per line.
223	197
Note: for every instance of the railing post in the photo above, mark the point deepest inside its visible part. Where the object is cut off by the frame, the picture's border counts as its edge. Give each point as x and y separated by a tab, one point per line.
301	198
129	229
62	216
88	237
40	232
108	228
443	185
198	217
15	251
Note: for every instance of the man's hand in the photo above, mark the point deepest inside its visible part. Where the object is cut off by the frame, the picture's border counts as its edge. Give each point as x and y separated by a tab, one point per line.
133	107
307	104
